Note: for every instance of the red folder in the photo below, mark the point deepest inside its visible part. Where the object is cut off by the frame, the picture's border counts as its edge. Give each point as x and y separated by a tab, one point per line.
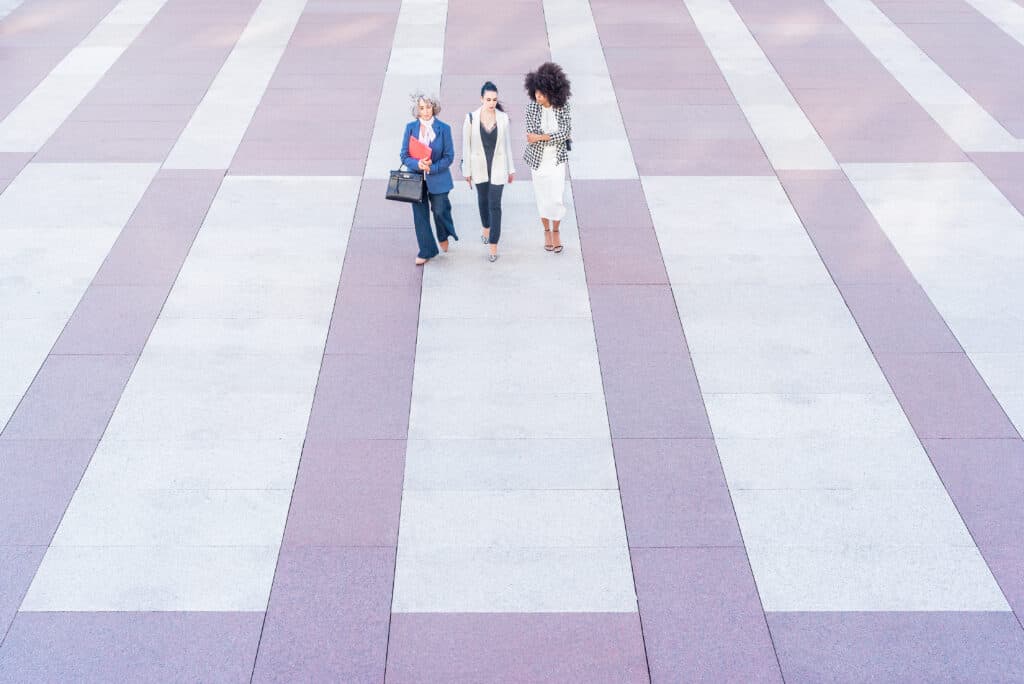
418	150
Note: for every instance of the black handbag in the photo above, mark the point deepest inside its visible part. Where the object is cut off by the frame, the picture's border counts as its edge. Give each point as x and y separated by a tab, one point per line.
405	186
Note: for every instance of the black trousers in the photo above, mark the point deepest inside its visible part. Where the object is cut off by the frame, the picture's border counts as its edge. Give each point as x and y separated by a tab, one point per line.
488	200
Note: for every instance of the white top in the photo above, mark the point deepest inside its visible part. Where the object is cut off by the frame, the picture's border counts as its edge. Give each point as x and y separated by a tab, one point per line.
549	125
474	161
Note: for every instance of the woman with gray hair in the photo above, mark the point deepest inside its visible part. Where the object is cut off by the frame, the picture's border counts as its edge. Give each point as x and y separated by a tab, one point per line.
431	132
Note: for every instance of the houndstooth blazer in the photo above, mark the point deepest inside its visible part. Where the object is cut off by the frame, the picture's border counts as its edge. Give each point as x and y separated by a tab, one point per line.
535	151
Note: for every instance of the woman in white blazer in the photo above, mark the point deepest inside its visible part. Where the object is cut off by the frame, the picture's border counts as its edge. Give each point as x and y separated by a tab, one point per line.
487	147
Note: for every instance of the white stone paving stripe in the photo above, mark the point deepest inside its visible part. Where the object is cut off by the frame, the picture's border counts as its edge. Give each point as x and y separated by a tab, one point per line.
417	57
787	136
228	378
510	500
57	223
40	114
959	114
1006	14
967	251
215	130
600	146
8	6
822	531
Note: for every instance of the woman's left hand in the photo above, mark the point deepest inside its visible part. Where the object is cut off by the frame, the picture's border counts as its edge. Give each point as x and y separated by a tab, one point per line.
511	177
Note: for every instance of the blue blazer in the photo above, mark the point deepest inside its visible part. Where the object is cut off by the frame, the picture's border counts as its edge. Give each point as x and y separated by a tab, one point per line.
442	155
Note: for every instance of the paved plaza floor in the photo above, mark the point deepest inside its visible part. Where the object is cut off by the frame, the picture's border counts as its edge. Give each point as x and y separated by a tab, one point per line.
759	422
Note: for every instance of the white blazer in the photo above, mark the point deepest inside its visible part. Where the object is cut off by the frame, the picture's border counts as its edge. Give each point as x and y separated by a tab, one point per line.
473	150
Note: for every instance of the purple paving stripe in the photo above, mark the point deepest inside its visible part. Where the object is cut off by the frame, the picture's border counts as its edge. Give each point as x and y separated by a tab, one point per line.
49	441
159	67
944	396
37	479
938	387
362	395
127	646
152	247
18	565
1006	171
328	616
36	36
11	164
702	616
330	602
71	397
899	647
516	647
322	98
982	58
674	493
991	477
662	50
345	494
861	112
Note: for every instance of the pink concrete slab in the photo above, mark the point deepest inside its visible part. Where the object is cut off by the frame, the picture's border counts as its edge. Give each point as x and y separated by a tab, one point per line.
516	647
638	59
152	247
259	166
37	479
112	319
674	494
672	80
130	646
380	257
11	164
649	34
610	12
899	647
985	478
375	318
1006	171
355	30
108	150
898	319
71	397
624	314
944	396
972	50
347	493
702	158
362	396
373	211
702	616
653	396
19	565
636	261
614	204
650	98
327	620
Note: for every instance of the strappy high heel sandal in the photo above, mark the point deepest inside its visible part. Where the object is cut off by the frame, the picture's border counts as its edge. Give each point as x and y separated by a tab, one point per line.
557	249
548	246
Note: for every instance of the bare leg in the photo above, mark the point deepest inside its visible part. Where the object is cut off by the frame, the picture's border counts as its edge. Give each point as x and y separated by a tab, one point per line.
556	240
486	234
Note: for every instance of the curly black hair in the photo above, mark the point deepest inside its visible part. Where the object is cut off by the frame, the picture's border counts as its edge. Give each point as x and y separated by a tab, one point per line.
550	80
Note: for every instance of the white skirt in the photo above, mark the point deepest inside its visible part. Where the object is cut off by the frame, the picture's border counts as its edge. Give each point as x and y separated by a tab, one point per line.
549	189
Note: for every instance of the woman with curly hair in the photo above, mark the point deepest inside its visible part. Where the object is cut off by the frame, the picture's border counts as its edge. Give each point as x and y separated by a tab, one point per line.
549	132
436	135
